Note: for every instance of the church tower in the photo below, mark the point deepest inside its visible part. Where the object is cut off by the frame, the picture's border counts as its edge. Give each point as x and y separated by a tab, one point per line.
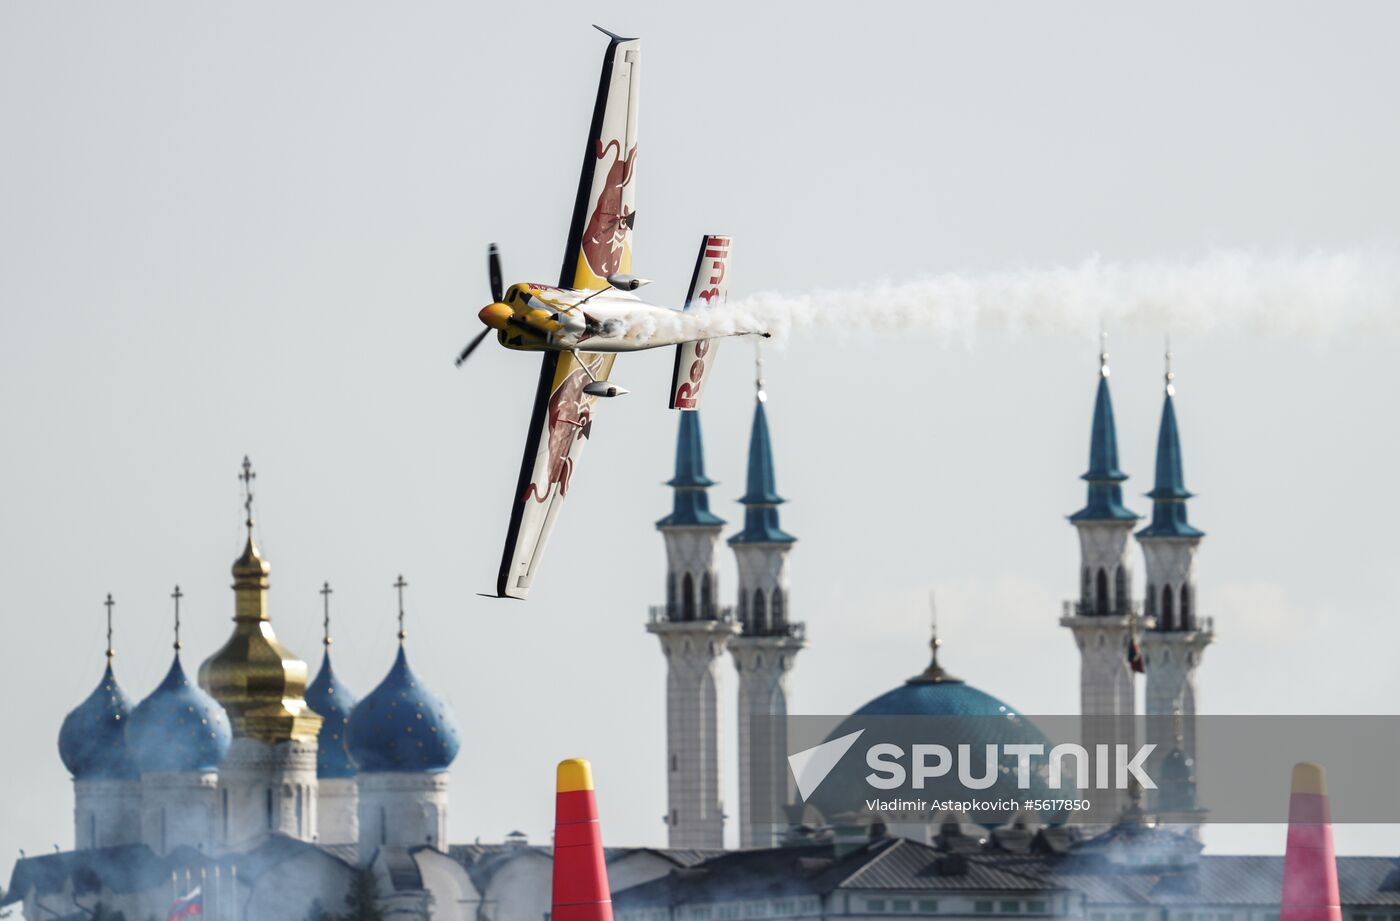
179	736
1177	637
1102	619
92	743
402	738
693	631
765	650
337	794
267	783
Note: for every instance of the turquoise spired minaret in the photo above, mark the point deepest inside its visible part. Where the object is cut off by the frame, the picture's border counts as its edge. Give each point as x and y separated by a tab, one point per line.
693	630
1103	619
1178	635
765	650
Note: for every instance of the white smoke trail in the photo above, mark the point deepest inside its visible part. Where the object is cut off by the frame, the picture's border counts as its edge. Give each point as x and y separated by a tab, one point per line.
1309	295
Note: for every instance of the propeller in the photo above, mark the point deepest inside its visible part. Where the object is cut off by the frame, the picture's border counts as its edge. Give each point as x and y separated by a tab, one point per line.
493	261
493	267
471	347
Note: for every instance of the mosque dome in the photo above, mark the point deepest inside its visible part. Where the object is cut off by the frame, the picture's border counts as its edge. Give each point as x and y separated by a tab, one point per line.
178	728
965	715
329	697
92	742
402	727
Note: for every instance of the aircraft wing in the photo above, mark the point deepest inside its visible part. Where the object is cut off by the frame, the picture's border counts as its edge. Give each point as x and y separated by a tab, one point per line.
599	245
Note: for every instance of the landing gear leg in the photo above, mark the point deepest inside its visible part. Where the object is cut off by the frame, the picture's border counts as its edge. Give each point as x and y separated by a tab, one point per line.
595	387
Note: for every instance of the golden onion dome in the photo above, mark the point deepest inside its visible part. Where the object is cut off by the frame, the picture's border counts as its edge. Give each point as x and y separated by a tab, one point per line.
259	682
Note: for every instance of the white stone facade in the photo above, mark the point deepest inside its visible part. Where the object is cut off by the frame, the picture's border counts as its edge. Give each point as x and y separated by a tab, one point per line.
763	585
694	786
266	789
180	810
337	811
763	663
402	810
106	812
692	576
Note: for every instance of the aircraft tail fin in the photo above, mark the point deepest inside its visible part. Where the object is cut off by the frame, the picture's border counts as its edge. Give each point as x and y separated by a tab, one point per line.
581	891
1310	891
709	287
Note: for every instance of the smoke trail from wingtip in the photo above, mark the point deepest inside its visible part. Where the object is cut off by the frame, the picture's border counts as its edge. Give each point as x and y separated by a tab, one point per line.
1311	295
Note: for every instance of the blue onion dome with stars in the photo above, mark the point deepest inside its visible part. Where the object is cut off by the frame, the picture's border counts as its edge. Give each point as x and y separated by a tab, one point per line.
92	740
401	726
332	700
178	728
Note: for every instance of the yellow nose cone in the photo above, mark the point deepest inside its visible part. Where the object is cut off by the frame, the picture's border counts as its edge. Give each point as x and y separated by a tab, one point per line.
495	315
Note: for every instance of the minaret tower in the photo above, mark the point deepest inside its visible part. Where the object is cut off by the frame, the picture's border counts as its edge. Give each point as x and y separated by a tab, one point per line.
267	784
1102	620
1178	636
693	631
765	650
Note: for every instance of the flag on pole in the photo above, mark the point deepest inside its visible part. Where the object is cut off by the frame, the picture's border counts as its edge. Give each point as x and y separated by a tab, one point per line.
191	906
1135	655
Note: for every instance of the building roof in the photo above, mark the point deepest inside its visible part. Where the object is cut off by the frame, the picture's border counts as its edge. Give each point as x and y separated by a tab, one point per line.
903	865
402	727
92	740
691	503
1105	495
761	499
129	868
178	727
1169	493
332	700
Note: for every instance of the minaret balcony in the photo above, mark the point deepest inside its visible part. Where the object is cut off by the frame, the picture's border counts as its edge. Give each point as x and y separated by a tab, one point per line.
662	614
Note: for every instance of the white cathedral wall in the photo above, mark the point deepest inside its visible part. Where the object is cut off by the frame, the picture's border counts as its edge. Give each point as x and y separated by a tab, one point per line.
455	897
401	810
178	810
106	813
267	788
337	810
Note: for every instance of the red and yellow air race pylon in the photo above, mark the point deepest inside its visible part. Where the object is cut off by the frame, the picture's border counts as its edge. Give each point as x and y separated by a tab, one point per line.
581	890
1310	890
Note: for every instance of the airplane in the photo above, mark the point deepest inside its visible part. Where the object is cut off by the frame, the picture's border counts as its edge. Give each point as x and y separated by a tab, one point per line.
591	315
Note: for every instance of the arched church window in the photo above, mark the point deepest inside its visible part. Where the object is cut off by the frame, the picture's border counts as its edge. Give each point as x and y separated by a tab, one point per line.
671	596
707	601
743	609
779	614
688	598
760	613
224	810
1101	594
1085	591
1188	619
1167	617
1120	590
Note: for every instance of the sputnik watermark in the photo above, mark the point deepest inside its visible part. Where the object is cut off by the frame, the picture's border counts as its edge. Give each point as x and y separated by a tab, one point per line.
929	761
1112	768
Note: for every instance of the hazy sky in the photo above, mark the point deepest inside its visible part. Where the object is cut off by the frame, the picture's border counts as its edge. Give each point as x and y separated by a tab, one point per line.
261	229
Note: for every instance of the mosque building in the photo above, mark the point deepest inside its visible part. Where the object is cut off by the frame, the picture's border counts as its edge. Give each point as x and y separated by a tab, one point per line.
269	798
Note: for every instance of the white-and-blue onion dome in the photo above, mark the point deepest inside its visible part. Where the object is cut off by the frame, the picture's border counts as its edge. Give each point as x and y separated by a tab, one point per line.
92	741
329	697
402	727
179	728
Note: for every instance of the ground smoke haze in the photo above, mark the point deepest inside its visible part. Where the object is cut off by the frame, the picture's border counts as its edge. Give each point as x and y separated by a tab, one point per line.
1314	294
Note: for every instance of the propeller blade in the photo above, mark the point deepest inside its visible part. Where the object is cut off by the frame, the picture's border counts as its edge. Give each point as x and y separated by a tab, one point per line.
493	259
471	347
